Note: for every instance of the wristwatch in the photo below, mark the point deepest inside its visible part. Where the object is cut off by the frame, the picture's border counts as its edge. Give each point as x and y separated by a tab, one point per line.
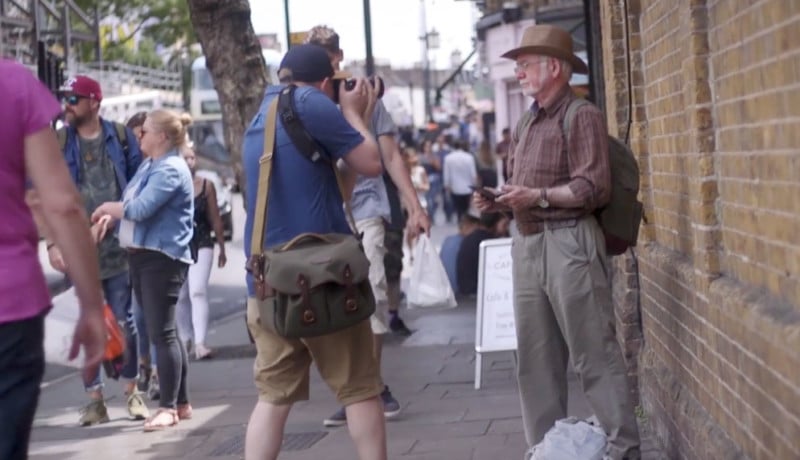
543	203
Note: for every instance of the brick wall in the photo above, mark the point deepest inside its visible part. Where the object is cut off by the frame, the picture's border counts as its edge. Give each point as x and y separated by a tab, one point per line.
714	122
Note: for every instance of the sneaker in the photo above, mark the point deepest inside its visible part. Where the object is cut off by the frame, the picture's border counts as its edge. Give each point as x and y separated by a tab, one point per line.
94	412
337	419
144	378
391	408
137	409
398	326
154	390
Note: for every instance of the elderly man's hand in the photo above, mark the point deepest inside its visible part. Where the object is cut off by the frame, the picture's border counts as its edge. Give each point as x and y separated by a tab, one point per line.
518	197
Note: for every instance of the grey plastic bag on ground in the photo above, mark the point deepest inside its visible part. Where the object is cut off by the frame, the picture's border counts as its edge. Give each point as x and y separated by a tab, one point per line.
570	439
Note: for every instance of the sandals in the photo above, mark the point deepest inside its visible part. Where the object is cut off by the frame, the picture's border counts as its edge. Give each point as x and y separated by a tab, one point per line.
162	419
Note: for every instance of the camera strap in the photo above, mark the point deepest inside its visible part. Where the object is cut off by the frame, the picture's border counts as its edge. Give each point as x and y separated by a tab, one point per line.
295	129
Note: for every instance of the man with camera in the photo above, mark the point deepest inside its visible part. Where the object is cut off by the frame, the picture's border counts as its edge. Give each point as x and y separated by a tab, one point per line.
373	214
304	197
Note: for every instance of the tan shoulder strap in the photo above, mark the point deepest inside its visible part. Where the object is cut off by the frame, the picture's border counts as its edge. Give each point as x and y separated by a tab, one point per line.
264	174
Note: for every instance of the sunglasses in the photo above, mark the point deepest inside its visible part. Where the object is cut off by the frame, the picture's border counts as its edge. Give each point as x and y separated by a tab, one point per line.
72	100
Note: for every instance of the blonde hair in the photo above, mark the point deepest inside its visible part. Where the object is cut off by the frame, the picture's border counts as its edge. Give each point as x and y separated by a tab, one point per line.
173	125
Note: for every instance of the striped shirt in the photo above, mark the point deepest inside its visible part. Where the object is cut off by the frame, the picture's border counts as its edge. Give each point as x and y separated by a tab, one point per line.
544	160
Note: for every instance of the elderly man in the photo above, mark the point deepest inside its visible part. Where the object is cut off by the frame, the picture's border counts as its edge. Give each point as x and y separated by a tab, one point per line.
562	295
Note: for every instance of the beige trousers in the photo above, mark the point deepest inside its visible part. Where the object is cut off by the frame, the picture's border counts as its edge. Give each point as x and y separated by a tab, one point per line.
373	240
563	310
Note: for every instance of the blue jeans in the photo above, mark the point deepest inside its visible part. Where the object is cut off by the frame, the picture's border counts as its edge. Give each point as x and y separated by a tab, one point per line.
21	372
117	291
433	194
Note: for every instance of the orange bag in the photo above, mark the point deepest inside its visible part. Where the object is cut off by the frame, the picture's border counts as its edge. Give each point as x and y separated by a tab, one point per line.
114	357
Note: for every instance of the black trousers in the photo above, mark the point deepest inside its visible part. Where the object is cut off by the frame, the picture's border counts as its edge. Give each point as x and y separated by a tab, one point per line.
461	204
157	281
21	372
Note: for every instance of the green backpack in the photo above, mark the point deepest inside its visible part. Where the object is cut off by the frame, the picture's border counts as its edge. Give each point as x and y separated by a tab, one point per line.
621	217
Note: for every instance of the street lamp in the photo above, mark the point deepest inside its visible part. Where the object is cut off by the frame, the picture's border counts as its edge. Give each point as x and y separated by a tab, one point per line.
431	40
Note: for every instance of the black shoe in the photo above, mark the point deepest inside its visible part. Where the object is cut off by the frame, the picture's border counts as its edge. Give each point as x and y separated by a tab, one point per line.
397	326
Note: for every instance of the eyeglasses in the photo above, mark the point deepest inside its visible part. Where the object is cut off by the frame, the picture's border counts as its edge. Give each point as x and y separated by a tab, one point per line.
523	66
72	100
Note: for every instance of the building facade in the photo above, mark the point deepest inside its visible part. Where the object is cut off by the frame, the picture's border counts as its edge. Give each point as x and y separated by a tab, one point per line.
708	305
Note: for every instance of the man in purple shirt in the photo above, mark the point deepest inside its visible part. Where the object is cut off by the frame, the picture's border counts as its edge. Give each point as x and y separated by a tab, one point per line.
30	150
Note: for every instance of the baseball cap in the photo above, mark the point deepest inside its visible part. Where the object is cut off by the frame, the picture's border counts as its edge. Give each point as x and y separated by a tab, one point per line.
82	85
308	63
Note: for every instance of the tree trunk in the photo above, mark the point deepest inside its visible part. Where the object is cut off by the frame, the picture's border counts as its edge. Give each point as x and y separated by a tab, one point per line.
235	61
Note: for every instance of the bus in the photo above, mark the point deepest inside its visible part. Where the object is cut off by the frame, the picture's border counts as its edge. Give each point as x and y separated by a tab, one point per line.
204	106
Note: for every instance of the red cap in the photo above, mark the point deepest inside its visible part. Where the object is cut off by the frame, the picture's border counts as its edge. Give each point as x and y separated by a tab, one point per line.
82	85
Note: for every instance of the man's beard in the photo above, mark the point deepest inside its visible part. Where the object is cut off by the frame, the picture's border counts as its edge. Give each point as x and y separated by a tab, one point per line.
77	121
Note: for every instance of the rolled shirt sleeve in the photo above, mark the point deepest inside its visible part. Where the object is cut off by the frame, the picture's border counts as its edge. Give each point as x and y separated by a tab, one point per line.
588	161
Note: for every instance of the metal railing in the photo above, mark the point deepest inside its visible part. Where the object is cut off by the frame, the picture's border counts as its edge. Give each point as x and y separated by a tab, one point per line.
121	78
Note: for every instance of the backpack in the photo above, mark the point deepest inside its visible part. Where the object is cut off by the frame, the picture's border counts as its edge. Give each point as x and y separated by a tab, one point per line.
621	217
122	137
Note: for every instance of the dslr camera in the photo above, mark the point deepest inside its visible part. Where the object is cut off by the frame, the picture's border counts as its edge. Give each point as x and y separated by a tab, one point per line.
349	84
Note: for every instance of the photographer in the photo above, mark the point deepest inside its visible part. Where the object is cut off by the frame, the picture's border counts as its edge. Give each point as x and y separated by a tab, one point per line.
375	218
304	197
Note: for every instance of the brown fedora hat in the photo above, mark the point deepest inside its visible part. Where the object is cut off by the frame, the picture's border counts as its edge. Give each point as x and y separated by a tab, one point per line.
550	41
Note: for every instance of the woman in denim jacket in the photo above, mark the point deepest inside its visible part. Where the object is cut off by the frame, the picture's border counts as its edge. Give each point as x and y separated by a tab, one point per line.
156	227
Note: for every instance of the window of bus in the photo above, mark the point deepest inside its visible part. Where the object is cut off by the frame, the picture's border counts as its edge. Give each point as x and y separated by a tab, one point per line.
202	79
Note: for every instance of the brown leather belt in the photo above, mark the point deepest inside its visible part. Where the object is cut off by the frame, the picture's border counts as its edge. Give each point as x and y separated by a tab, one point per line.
534	227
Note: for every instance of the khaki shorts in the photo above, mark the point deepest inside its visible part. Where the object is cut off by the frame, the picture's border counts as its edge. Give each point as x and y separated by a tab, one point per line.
375	249
345	360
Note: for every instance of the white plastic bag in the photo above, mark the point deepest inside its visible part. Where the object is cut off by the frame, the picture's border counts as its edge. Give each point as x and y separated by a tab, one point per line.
571	439
429	285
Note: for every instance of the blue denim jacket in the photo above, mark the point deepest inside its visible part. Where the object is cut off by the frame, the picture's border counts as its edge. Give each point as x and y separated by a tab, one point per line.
124	167
159	204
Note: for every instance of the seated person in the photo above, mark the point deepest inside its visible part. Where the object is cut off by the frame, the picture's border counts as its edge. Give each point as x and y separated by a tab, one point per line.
451	245
469	252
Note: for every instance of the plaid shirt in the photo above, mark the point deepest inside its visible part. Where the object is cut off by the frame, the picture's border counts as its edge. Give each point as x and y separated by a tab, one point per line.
543	160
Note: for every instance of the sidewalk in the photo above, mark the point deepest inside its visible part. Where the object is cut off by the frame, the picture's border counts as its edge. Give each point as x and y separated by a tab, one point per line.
431	374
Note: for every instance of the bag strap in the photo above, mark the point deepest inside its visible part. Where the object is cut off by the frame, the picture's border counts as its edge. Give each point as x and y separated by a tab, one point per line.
264	176
122	137
572	109
304	142
307	145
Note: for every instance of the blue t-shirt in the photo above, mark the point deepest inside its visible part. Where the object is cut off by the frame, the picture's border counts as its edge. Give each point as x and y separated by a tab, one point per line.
303	196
